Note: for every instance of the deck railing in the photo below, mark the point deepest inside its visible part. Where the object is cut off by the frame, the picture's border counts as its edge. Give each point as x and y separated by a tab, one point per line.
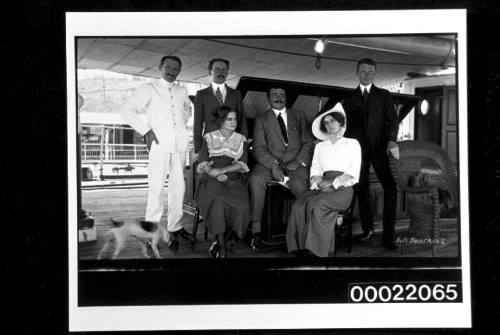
117	153
92	152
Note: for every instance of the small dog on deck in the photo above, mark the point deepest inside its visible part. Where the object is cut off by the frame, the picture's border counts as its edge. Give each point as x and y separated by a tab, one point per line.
144	231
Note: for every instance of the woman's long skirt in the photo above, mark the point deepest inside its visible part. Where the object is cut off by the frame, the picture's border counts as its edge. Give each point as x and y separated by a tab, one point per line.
224	206
313	219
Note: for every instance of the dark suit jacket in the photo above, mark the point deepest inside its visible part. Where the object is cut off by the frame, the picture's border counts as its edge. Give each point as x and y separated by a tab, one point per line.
205	104
269	145
378	125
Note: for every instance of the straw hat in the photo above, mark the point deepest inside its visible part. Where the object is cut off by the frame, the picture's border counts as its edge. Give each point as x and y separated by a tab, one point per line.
321	135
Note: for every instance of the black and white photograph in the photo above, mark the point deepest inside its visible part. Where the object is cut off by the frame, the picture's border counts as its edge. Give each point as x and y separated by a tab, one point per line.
295	171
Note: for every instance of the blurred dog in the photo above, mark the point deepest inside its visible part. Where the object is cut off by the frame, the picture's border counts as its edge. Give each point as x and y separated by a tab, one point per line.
145	232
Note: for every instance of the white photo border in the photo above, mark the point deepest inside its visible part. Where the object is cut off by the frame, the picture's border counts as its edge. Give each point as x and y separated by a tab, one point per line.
268	316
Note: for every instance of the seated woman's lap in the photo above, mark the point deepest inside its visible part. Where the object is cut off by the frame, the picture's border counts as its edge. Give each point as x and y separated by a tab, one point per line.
336	200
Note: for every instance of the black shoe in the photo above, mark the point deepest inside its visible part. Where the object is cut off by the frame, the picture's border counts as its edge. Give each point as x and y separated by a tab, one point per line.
390	246
182	233
255	243
309	254
214	250
367	236
247	238
306	253
173	245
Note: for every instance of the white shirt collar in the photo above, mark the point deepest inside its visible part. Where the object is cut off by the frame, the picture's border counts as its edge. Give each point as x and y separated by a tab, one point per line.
368	87
279	111
222	87
166	83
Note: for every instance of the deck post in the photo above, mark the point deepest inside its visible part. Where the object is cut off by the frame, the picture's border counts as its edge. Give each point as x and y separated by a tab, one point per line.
101	153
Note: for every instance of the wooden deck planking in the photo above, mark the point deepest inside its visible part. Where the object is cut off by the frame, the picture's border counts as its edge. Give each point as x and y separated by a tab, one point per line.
131	203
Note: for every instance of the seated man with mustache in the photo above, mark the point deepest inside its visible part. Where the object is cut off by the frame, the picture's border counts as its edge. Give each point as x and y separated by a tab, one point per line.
282	146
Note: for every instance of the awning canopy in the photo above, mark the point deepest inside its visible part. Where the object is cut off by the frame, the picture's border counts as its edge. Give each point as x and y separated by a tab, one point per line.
284	58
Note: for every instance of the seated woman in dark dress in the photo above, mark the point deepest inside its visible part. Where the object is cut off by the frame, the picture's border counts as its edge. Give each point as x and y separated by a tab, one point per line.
334	170
222	193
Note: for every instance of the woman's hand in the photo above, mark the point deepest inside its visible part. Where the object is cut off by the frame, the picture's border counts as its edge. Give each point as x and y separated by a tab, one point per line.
314	182
215	172
325	185
327	189
207	167
222	177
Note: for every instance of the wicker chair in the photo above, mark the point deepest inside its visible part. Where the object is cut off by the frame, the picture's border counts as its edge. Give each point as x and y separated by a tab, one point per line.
423	171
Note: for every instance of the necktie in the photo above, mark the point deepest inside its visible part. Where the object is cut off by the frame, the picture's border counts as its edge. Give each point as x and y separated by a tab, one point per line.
365	93
283	128
365	111
218	95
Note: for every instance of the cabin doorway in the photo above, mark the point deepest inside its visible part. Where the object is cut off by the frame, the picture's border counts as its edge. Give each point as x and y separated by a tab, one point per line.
439	124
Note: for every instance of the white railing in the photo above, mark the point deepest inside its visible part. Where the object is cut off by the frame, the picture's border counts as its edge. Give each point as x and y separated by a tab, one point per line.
93	152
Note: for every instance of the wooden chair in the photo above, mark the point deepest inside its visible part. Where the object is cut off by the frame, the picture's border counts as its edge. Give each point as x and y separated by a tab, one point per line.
197	218
344	224
279	202
277	207
422	171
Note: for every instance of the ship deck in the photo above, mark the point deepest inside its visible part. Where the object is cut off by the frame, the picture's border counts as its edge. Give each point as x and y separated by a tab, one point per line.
129	201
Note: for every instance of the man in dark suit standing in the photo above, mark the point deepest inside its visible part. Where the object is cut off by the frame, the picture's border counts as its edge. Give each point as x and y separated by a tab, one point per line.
208	99
372	120
282	146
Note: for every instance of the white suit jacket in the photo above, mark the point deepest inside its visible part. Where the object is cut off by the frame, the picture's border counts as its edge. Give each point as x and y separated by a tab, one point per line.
167	109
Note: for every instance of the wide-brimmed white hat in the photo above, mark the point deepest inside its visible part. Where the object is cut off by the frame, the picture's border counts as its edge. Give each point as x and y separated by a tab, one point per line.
321	135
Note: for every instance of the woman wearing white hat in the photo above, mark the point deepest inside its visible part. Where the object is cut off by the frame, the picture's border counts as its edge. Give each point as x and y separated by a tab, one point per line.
334	170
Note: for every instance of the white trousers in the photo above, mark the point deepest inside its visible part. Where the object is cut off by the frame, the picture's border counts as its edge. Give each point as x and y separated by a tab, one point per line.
160	166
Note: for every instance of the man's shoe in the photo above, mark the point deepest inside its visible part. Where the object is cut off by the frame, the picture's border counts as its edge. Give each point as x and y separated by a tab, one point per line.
214	250
390	246
255	243
306	253
173	245
367	236
183	233
247	238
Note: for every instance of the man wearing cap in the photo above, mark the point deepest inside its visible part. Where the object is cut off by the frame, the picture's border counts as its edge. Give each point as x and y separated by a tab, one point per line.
167	108
208	99
373	121
282	147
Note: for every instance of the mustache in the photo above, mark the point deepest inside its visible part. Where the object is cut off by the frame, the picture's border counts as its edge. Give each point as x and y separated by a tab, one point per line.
280	101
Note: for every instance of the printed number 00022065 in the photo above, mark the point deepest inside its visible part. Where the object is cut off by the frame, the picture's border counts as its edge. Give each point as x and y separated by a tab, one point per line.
405	292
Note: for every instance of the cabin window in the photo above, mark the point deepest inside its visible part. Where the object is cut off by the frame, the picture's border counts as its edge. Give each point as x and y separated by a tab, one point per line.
91	135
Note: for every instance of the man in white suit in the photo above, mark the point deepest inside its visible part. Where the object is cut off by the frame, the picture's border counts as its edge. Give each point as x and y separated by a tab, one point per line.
167	109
